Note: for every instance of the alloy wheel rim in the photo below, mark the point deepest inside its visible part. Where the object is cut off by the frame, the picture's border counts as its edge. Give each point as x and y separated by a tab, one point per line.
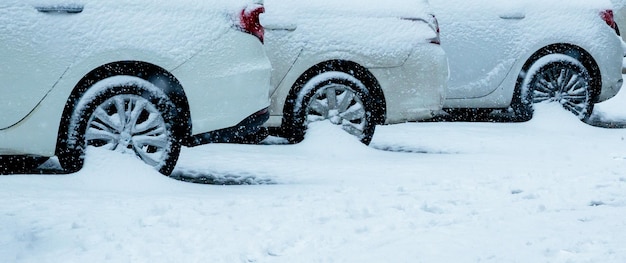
130	124
564	85
341	106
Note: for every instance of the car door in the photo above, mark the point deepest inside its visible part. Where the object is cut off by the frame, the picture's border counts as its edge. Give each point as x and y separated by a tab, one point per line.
479	37
39	40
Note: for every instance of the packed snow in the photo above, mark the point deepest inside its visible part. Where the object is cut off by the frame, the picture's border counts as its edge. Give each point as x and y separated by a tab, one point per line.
549	190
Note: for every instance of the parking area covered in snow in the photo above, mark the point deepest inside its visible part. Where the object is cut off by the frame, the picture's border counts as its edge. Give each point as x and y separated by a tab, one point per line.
548	190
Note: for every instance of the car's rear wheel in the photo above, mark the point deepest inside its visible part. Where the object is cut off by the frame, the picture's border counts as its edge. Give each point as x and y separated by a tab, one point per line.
558	78
337	97
135	119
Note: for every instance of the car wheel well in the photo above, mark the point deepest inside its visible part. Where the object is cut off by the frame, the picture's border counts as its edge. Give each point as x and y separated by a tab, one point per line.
573	51
348	67
149	72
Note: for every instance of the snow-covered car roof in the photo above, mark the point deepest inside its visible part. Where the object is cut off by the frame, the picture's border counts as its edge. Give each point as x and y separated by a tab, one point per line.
397	8
354	25
537	5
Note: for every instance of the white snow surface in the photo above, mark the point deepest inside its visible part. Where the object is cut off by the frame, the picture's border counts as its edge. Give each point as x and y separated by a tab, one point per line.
549	190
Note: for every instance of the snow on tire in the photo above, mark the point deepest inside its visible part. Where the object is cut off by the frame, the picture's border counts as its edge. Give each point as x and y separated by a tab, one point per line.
337	97
127	115
558	78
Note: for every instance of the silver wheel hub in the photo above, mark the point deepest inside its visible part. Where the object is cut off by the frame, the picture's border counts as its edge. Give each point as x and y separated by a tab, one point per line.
341	106
130	124
125	138
334	117
565	86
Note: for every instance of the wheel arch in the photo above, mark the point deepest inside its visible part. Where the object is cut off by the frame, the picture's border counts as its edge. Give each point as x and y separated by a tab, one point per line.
144	70
348	67
573	51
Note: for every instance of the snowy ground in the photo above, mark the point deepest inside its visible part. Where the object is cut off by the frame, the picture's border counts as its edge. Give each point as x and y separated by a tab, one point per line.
549	190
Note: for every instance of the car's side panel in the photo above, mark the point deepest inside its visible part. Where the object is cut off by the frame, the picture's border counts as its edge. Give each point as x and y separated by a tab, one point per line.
36	49
282	58
481	37
543	28
227	83
224	72
305	61
588	32
37	133
413	90
337	37
416	90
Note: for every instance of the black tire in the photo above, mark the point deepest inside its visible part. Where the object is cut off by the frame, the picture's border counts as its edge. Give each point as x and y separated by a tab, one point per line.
146	126
558	78
354	112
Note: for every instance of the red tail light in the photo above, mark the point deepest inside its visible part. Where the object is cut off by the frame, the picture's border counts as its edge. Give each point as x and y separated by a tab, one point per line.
607	16
249	21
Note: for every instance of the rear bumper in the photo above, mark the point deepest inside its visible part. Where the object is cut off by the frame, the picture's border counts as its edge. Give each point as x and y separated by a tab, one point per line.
247	128
609	58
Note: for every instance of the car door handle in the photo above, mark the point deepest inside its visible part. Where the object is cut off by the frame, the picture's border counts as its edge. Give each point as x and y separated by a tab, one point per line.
289	28
513	16
281	27
60	9
277	23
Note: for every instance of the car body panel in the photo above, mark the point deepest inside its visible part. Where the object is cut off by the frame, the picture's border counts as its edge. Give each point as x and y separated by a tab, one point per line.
393	44
416	90
224	72
479	61
220	96
523	28
36	42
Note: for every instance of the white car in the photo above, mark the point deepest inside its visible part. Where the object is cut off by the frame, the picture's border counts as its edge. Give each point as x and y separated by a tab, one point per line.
513	53
354	63
135	76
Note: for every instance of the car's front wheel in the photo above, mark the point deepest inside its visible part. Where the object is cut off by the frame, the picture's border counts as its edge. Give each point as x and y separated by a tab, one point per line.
134	118
337	97
558	78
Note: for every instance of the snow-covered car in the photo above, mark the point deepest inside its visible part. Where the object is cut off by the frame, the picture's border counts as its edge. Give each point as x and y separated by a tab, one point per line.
357	64
511	54
136	76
